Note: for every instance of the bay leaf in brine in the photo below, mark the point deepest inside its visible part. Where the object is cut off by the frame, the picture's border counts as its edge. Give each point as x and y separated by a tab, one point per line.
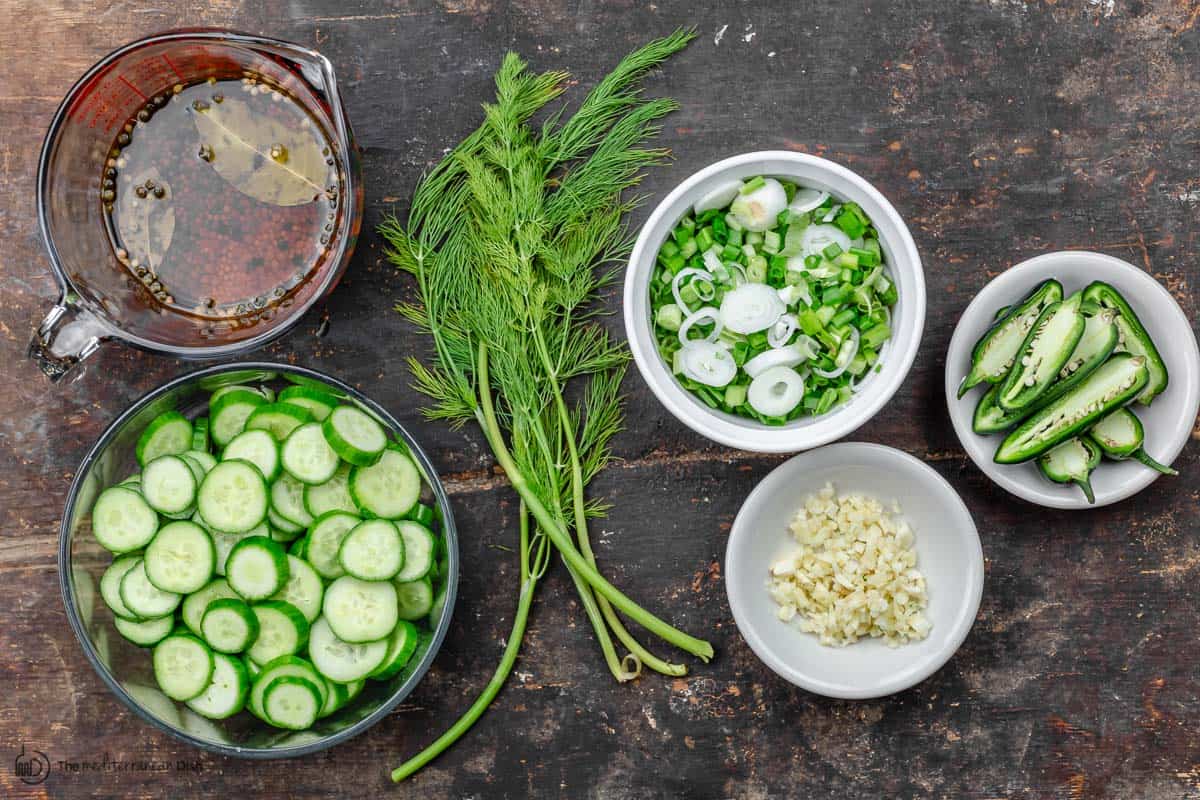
261	156
146	225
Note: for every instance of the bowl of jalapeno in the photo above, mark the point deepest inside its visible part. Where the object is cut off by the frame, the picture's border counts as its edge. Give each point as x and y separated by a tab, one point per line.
774	301
1073	380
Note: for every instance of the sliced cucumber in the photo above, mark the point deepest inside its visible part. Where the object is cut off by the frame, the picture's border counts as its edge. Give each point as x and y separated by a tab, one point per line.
414	599
226	692
233	497
224	543
299	548
419	545
360	611
280	419
205	459
229	411
200	434
306	455
423	515
110	585
439	605
181	558
145	633
372	551
282	631
284	536
287	501
341	661
196	603
143	598
284	526
276	668
325	540
292	703
229	626
336	695
401	646
389	488
257	568
355	435
122	520
183	666
303	589
332	495
259	448
315	401
168	434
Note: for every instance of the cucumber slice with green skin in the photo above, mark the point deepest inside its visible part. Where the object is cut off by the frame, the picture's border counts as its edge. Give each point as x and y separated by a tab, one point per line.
259	448
229	411
143	598
1110	387
299	548
315	401
354	688
389	488
372	551
414	599
422	515
183	666
228	625
276	668
336	696
1046	350
282	631
233	497
280	419
341	661
303	589
994	354
134	481
401	645
205	459
167	434
291	703
1119	436
439	605
122	520
332	495
325	541
1072	462
419	547
226	692
223	544
284	526
285	536
360	611
110	585
181	558
355	435
252	669
257	568
287	501
145	633
264	392
200	434
198	471
306	455
196	603
1133	337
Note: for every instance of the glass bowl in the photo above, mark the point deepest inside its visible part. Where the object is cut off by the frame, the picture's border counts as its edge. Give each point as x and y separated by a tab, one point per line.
126	669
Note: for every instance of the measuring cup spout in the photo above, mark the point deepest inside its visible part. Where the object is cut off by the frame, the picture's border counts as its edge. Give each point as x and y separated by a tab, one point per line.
67	336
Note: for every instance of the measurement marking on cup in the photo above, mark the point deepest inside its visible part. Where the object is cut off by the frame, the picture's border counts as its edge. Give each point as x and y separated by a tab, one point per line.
171	64
137	91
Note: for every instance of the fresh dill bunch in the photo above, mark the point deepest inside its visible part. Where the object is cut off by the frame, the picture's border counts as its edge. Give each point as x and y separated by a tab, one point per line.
510	239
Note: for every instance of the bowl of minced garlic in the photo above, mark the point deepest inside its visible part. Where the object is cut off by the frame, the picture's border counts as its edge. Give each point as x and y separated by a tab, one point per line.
854	570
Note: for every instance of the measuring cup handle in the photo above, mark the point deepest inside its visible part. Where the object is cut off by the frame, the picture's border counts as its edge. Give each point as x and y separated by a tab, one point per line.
67	335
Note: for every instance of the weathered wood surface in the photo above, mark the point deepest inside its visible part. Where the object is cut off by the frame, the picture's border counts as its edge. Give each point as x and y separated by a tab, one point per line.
1000	130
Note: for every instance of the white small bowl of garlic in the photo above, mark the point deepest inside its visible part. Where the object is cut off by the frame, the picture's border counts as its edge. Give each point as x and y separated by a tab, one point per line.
854	571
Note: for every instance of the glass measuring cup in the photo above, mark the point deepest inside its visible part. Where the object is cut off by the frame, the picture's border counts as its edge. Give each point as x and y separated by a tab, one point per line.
101	299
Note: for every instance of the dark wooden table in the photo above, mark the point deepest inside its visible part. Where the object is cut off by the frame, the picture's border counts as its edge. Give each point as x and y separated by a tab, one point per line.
1000	130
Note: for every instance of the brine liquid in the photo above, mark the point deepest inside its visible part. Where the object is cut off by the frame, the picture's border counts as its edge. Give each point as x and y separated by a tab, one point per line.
221	199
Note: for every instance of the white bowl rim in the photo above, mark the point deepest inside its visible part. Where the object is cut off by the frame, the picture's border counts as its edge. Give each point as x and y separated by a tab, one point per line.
959	629
1011	481
749	434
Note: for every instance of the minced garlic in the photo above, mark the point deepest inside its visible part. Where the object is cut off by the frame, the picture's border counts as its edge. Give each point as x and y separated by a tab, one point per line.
854	573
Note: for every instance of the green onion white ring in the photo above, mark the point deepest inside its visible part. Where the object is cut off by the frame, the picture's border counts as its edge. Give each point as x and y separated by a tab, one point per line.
700	315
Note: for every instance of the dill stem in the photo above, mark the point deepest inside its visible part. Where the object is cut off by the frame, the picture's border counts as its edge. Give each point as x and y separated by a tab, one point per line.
529	579
638	651
491	429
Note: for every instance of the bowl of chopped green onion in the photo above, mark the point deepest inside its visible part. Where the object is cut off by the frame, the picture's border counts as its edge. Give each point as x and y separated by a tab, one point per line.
774	301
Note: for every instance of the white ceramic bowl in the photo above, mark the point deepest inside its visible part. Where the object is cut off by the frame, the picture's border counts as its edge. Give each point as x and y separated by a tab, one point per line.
1168	421
948	554
908	316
